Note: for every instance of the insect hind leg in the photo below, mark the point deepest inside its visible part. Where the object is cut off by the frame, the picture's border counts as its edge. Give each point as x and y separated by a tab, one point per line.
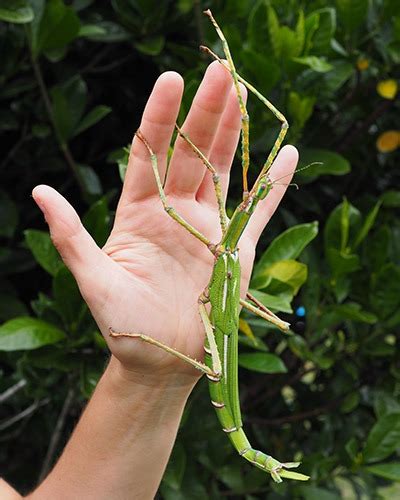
170	210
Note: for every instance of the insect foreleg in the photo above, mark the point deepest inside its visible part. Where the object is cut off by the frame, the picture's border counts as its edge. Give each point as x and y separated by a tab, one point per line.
212	348
170	210
266	314
215	177
270	106
145	338
243	110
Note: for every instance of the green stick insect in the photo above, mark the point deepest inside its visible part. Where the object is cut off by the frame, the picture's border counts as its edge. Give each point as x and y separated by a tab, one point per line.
223	291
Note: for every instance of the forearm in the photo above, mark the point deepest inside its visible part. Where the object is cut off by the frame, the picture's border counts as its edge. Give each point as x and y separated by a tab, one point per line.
122	443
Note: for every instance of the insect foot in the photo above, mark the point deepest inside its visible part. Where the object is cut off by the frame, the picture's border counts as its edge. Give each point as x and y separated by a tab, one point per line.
274	467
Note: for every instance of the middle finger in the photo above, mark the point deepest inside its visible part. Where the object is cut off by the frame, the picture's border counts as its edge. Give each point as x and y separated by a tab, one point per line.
186	169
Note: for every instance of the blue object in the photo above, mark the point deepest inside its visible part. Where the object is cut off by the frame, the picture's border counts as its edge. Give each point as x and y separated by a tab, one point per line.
301	311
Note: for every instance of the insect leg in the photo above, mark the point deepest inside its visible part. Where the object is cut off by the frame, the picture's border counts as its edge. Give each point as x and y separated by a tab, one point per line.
268	104
216	361
145	338
260	310
215	177
170	210
243	110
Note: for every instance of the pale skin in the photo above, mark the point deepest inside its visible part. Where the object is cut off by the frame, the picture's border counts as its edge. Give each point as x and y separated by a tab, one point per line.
147	279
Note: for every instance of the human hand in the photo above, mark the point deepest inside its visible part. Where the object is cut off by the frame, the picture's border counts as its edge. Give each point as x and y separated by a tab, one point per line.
148	276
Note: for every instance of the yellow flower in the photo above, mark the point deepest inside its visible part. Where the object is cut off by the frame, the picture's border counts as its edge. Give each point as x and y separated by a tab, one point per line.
362	64
387	89
388	141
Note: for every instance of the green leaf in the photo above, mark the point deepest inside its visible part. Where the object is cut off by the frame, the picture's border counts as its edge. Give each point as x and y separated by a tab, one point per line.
106	32
341	262
68	103
391	199
321	38
151	46
264	71
300	31
257	27
289	46
328	163
342	219
25	333
16	11
43	250
335	79
300	108
8	215
274	31
91	180
385	291
352	13
97	221
389	471
59	26
383	439
94	116
287	245
176	467
274	302
263	362
311	24
318	64
69	302
353	312
315	493
291	272
91	30
367	225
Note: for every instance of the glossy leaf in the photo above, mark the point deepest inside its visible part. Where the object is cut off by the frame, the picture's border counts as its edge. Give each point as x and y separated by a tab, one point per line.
318	64
16	11
383	439
59	26
322	162
366	226
287	245
25	333
273	302
94	116
43	250
389	471
262	362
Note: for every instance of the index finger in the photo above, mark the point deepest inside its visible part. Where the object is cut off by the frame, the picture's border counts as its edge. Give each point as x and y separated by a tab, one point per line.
157	126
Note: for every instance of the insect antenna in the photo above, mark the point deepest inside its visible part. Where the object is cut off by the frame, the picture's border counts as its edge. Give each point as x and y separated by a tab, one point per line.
295	172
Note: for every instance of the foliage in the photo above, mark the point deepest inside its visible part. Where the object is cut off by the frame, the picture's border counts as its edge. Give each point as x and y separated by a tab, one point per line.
70	86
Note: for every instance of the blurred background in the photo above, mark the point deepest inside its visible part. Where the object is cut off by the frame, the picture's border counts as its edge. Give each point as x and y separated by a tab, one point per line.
75	76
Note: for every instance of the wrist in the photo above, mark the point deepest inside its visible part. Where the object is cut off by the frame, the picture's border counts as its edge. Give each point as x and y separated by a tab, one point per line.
156	388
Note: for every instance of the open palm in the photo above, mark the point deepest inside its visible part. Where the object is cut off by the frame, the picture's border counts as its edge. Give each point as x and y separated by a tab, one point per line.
151	271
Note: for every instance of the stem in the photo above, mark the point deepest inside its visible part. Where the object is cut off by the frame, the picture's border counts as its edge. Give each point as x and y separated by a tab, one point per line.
63	146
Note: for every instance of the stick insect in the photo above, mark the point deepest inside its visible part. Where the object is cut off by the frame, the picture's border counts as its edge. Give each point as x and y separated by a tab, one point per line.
223	291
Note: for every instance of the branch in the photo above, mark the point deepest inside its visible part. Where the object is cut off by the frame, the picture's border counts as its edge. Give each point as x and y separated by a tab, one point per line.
55	438
63	146
23	414
12	390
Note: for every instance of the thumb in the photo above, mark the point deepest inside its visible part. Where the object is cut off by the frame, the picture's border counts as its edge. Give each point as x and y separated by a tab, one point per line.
77	248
